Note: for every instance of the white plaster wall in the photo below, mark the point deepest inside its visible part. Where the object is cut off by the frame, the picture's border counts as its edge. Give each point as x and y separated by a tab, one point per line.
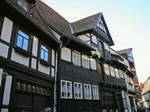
3	50
52	72
7	30
33	63
1	73
53	57
93	64
7	90
66	54
44	69
35	46
17	57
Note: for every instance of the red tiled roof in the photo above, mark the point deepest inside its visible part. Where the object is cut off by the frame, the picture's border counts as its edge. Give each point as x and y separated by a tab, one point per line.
85	24
124	51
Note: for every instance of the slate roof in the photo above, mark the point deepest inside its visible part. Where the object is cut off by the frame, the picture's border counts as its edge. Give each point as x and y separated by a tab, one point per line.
52	19
85	24
124	51
35	18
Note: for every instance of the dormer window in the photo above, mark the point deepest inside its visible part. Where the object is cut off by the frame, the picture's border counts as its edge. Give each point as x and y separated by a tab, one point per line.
26	4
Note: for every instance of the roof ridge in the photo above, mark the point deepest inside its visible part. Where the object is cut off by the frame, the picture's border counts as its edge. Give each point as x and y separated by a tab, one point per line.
54	11
85	18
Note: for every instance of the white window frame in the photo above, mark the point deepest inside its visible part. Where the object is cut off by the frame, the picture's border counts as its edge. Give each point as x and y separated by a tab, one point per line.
78	91
95	92
85	62
87	92
66	92
76	58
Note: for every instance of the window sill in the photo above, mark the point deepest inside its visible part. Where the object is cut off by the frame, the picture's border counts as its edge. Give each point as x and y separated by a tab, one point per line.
44	62
65	98
21	51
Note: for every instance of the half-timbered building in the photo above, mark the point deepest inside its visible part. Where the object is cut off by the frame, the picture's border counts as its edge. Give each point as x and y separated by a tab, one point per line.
28	58
94	31
127	53
45	61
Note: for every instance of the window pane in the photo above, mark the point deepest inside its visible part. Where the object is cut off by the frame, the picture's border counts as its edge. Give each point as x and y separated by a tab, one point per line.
42	54
46	56
44	48
19	41
25	44
23	34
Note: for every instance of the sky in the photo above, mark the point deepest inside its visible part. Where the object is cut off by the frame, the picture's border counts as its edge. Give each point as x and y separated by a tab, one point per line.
128	22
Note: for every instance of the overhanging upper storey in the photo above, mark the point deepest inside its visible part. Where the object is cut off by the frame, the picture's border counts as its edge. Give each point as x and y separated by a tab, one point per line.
93	24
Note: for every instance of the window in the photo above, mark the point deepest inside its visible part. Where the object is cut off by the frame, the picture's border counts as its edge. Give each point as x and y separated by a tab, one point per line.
85	62
76	58
24	4
95	92
85	39
112	71
78	94
94	39
117	73
106	69
87	91
44	53
22	40
121	74
66	89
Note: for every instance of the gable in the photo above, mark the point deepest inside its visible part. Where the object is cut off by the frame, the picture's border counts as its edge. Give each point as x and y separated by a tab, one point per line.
101	30
85	24
100	25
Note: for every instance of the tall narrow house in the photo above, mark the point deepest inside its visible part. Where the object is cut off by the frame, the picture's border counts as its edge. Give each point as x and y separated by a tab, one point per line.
127	53
110	71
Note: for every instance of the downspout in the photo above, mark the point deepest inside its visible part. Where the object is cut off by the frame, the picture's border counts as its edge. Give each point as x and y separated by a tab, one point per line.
57	74
56	77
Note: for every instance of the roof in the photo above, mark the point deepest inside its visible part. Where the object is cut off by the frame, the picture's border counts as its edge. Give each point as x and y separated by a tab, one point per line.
36	19
53	18
85	24
58	23
124	51
45	18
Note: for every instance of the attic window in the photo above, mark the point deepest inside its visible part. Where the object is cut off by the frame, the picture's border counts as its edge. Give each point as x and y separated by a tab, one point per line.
25	4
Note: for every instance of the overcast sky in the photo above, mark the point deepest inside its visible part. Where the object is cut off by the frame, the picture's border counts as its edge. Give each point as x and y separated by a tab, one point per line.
128	22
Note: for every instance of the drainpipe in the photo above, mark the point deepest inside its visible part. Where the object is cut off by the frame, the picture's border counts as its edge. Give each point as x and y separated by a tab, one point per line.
64	41
56	78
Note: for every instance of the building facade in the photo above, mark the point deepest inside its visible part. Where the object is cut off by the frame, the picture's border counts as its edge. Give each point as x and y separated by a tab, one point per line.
45	61
28	58
146	93
127	53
